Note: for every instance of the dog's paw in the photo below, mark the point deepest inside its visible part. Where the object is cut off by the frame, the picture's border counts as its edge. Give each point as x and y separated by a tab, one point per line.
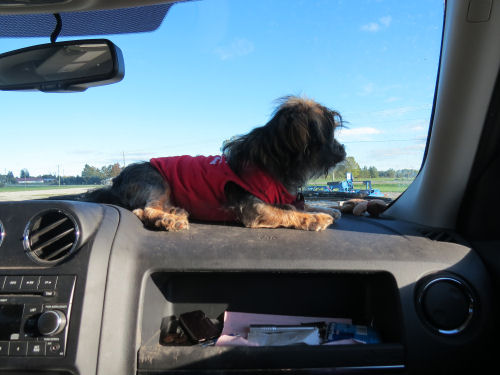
333	212
172	223
349	205
317	222
360	208
376	206
139	212
177	211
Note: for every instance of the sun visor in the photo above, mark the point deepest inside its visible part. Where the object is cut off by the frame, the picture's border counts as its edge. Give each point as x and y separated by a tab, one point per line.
100	22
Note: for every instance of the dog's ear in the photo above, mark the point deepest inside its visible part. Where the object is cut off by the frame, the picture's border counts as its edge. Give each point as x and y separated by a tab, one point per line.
304	125
290	126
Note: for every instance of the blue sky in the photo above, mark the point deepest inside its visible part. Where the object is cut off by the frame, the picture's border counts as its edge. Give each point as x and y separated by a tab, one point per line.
213	70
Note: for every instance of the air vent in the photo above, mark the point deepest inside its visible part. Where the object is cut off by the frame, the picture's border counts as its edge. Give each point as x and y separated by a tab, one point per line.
445	303
440	235
51	236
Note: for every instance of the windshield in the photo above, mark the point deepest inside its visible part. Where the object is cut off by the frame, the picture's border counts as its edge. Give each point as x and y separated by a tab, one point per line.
213	70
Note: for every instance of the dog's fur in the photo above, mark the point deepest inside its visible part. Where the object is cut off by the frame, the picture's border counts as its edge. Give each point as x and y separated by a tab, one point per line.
296	145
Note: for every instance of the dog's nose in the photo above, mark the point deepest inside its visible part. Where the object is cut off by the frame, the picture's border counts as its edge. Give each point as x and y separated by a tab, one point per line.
339	153
340	150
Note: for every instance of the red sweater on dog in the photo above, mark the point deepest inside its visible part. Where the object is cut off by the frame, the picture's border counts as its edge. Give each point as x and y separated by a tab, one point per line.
198	182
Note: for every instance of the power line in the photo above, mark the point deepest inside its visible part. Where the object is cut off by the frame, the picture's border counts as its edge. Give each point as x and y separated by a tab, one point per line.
389	140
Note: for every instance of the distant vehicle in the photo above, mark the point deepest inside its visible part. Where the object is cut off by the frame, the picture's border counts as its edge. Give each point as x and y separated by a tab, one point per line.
343	188
347	186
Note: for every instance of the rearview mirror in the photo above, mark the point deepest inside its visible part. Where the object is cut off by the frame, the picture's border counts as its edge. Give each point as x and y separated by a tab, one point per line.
62	66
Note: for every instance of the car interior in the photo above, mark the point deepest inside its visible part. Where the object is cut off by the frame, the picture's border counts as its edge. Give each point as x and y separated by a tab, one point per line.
86	289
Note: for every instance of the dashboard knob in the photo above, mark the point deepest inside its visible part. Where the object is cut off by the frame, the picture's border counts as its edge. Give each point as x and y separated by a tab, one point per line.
51	322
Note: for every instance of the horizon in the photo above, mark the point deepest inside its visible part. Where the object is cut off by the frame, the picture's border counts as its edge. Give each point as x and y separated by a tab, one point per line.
18	176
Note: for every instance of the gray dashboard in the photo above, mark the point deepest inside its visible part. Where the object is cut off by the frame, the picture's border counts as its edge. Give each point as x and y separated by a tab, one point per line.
379	272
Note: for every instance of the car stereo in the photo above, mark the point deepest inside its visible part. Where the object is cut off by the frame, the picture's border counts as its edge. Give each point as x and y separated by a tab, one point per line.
34	314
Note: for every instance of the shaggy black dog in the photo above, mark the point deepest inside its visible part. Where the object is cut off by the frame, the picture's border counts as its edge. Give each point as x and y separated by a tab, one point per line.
254	182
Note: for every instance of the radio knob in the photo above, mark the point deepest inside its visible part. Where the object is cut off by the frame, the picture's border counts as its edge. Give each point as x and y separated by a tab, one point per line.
51	322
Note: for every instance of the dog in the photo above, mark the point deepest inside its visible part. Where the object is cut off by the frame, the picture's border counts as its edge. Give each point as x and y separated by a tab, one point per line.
255	181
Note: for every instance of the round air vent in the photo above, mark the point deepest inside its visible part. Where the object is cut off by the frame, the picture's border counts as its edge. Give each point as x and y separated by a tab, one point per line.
445	303
51	236
2	233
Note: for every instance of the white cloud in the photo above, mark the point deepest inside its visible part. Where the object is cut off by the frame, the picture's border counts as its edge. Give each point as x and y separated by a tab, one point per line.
386	21
399	111
373	27
367	89
238	47
392	99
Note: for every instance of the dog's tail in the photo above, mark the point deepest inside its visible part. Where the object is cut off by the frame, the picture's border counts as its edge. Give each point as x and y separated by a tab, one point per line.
103	195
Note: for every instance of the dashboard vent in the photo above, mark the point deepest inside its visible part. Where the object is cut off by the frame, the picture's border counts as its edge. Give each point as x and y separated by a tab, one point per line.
51	236
441	235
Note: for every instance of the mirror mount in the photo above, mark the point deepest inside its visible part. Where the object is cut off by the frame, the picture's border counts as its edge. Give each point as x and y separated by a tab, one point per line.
57	29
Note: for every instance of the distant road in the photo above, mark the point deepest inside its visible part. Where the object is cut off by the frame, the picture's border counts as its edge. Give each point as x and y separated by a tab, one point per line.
39	194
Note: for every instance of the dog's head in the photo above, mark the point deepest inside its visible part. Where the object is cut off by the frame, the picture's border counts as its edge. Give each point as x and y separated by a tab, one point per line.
295	145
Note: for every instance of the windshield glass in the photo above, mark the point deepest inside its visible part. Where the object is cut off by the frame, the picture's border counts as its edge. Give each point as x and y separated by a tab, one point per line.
214	69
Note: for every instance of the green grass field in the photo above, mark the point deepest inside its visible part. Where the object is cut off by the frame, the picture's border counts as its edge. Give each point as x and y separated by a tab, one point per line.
22	187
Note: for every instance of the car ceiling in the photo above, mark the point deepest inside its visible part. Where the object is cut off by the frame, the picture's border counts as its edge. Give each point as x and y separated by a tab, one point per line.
34	18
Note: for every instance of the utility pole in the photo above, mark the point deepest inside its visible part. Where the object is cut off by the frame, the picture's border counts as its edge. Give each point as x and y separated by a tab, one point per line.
58	175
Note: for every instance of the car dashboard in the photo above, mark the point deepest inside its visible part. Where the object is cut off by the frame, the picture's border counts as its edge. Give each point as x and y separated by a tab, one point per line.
84	289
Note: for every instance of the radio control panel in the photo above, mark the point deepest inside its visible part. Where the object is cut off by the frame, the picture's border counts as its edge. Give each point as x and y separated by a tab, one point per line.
35	314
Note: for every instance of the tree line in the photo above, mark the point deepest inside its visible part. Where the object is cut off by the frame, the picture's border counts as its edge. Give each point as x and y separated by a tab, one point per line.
90	176
350	165
93	175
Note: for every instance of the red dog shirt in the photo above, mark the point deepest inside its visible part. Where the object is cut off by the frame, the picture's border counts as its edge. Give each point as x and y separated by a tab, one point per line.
198	185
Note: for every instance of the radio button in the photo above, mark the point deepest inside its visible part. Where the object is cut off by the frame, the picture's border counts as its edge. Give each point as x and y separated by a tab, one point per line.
30	283
12	283
47	283
4	348
31	309
18	348
36	348
55	348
